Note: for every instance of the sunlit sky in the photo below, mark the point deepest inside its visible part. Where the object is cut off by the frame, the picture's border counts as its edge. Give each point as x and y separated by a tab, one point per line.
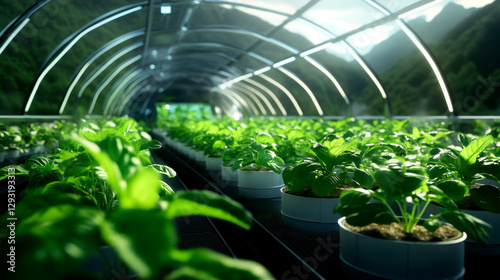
339	17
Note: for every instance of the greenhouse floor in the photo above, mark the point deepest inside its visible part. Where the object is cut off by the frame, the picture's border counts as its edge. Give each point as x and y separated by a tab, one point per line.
289	253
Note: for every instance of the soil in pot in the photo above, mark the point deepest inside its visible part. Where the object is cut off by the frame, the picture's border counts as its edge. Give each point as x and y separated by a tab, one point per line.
394	231
467	203
307	192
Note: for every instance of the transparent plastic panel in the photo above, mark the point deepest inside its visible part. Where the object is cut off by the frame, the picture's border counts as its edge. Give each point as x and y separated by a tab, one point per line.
285	6
52	90
230	38
324	91
94	100
24	57
204	48
249	63
357	85
301	34
404	73
463	36
235	16
339	17
281	92
12	9
396	5
84	82
272	52
296	91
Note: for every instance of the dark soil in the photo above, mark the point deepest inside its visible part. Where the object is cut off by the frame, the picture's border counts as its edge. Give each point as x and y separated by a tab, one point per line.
254	168
467	204
307	192
394	231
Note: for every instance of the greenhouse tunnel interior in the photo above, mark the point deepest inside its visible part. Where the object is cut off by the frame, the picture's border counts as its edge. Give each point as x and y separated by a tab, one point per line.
321	60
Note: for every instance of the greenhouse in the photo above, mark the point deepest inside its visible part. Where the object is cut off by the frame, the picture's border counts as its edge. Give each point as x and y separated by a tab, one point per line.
231	139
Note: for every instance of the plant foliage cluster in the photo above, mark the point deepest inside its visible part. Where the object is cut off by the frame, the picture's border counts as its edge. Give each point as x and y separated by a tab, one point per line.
100	190
407	162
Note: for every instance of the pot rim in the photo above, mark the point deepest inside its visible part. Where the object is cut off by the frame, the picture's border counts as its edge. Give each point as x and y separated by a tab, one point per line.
414	243
305	197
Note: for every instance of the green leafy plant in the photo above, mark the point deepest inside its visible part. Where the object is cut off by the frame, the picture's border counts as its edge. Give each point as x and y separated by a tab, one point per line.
259	154
318	174
412	195
63	230
455	171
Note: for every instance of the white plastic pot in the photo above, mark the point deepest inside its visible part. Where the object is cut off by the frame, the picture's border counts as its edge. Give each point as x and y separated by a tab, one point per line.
311	213
200	158
191	153
392	259
38	149
228	175
491	218
259	184
213	164
12	154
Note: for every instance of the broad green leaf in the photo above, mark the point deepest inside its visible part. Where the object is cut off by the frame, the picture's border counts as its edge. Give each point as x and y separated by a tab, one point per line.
189	273
455	189
436	171
300	175
440	197
474	227
59	186
470	153
143	239
463	139
488	167
151	145
215	265
264	156
144	157
351	200
432	223
370	213
415	133
487	197
210	204
141	191
165	190
112	169
364	178
164	169
89	134
399	185
346	158
16	169
264	138
64	235
323	155
323	185
275	167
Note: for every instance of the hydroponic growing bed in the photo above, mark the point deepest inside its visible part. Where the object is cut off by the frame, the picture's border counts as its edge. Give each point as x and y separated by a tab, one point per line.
249	139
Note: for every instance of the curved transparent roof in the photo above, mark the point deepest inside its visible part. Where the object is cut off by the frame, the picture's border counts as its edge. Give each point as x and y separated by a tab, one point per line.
332	58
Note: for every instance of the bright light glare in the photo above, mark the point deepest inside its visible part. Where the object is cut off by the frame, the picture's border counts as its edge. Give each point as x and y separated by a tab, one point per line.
283	62
431	62
316	49
14	34
166	9
167	106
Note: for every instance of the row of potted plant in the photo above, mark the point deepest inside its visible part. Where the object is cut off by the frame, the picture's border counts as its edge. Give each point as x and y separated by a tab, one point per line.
23	140
385	172
100	199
